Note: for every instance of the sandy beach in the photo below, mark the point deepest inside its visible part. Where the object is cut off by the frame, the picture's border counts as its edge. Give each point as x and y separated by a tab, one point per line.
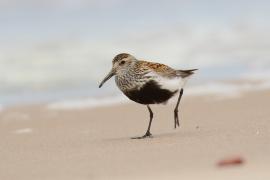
95	143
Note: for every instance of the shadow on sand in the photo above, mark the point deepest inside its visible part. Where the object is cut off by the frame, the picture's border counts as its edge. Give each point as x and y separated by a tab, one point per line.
168	135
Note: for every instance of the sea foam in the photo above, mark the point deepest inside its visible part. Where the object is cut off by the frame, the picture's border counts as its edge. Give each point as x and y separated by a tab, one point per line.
220	90
87	103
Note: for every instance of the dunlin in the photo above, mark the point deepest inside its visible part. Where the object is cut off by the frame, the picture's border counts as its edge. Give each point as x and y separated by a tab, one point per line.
148	83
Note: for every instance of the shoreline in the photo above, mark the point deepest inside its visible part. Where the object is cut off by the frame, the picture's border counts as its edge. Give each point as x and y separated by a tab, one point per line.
220	89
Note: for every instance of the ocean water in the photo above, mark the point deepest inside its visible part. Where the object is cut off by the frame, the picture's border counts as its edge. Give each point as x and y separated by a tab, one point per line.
61	51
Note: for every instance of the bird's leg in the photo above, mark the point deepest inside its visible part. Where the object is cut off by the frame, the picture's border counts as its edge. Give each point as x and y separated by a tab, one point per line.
150	121
147	134
176	118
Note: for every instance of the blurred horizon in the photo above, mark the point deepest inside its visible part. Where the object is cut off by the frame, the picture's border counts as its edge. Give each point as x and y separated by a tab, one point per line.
63	48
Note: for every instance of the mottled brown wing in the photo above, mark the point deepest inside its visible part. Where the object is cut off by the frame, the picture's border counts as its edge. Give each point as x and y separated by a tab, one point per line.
160	69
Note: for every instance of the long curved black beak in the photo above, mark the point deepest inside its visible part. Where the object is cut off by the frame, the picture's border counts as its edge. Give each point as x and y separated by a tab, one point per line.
111	74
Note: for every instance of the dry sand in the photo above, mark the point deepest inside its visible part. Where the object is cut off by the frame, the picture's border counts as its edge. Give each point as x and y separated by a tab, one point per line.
41	143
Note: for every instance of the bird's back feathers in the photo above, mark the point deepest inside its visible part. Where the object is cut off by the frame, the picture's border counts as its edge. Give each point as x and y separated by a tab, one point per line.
164	70
160	69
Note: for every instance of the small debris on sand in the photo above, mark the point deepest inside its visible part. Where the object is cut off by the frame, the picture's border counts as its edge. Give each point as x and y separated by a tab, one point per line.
231	161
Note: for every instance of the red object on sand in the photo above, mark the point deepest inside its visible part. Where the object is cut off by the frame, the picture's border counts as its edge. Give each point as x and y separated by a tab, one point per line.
231	161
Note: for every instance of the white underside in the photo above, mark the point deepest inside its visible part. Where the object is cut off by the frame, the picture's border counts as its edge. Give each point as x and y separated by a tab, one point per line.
172	84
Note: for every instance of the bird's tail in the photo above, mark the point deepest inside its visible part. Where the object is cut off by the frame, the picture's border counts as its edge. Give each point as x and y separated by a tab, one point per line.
185	73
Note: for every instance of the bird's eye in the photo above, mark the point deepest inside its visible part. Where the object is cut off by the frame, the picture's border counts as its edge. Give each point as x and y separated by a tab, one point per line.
122	62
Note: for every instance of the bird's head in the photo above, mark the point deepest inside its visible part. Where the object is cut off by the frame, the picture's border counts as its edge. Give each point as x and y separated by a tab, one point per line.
120	64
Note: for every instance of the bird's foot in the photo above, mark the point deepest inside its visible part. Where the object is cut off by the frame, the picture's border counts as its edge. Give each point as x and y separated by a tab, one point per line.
147	135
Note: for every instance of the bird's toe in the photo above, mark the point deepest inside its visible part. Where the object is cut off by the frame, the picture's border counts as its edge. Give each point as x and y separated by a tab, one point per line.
147	135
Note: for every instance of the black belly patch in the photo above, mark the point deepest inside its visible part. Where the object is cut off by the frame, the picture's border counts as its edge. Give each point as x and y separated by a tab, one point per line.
150	93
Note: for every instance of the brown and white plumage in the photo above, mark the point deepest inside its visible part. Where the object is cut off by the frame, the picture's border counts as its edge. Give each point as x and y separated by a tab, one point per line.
147	82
